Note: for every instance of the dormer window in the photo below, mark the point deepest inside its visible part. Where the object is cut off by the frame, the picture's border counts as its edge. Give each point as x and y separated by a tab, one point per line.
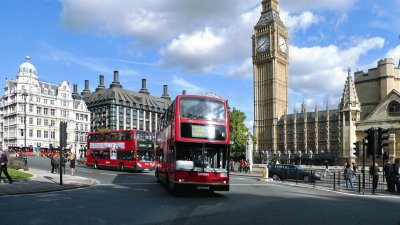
394	108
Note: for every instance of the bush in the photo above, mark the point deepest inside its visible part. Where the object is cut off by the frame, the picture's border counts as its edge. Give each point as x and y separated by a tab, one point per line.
17	163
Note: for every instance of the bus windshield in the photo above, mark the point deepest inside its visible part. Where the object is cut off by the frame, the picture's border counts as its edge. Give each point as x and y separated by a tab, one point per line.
202	109
197	157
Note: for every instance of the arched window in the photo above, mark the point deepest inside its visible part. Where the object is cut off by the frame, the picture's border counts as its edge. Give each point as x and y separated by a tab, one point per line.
394	108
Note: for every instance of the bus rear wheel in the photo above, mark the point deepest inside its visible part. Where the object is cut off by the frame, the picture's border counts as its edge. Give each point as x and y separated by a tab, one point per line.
121	167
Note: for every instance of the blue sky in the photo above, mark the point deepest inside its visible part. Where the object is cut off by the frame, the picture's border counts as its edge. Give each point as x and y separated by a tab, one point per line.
200	46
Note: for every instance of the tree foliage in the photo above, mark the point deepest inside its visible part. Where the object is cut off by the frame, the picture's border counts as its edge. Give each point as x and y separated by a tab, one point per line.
239	134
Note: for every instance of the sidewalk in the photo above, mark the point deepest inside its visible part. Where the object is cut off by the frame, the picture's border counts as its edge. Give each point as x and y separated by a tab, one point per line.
43	181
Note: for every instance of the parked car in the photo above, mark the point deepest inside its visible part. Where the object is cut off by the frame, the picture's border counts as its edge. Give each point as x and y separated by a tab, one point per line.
289	171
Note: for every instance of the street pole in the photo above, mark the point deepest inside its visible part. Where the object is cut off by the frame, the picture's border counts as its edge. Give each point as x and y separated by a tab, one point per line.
61	160
363	165
373	164
24	95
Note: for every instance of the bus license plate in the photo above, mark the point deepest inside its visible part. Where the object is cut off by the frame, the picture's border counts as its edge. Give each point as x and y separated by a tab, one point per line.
203	187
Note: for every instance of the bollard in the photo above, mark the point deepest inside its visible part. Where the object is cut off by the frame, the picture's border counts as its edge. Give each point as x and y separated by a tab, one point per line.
359	183
334	181
265	173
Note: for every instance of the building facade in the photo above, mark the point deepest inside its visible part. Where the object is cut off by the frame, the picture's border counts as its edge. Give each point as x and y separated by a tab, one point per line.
31	111
116	108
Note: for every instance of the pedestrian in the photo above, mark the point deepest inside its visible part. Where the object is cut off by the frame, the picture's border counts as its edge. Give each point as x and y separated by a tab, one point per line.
72	159
52	163
388	172
248	166
56	160
3	166
355	168
349	176
231	166
374	172
241	166
396	174
327	168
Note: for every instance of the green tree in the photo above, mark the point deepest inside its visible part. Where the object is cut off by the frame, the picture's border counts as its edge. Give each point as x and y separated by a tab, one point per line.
239	134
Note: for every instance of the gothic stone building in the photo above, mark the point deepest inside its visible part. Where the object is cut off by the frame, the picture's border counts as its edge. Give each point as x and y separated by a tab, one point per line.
318	135
117	108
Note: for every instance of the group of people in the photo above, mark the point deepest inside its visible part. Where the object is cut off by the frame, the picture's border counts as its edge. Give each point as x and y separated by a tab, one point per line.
350	174
56	162
244	166
392	176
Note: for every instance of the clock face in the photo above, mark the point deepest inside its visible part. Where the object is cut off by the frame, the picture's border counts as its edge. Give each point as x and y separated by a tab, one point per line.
282	44
262	43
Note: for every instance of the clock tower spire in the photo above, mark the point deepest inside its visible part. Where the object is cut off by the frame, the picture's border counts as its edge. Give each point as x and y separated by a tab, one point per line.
270	74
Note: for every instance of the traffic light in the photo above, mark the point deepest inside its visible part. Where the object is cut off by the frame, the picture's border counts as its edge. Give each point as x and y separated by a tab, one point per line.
383	136
63	134
356	149
371	141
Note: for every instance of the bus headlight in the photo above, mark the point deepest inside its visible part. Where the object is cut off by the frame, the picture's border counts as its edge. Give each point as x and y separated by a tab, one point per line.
224	175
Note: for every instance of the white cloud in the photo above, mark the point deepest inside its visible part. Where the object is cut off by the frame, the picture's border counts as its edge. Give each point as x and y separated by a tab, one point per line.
245	70
394	53
179	84
300	22
315	71
301	5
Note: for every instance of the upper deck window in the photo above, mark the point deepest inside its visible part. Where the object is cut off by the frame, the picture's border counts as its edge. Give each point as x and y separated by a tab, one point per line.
202	109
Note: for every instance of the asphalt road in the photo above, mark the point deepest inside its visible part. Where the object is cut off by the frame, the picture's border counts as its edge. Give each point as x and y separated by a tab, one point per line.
136	198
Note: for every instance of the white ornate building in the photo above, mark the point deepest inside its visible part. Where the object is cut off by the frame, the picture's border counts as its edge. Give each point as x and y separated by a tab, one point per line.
46	106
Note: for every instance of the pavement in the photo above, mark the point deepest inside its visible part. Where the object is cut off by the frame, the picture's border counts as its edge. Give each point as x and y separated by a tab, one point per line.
43	181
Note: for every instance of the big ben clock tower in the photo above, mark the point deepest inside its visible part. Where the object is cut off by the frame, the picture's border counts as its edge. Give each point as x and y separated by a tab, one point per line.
270	74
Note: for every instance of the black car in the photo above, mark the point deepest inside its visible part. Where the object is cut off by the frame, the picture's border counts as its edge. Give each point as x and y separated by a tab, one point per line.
289	171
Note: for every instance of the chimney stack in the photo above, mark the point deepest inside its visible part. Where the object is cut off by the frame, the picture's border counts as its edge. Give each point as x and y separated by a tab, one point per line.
75	88
144	89
116	83
86	90
165	93
101	83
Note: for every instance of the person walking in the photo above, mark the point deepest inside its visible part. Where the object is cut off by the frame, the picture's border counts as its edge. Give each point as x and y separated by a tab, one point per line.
56	160
388	171
72	159
3	166
349	173
396	174
327	168
374	172
241	166
231	166
52	163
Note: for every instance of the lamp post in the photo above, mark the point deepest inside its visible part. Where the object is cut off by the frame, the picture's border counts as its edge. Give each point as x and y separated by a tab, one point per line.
24	96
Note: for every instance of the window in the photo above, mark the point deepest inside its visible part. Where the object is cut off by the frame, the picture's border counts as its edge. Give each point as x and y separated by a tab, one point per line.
39	133
45	111
52	112
39	122
394	108
30	108
38	99
30	120
21	131
45	122
46	134
52	123
30	133
39	110
51	102
45	101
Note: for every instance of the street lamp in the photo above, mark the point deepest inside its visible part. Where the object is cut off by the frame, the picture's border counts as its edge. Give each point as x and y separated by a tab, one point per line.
24	96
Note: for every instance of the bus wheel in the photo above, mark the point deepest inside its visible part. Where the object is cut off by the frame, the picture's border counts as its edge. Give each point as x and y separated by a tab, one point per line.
121	167
95	165
157	176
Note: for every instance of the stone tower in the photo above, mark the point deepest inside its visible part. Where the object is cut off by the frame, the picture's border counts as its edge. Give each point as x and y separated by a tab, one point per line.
270	74
350	111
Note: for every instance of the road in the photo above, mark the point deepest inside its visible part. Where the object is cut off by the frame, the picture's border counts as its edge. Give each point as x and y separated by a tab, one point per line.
136	198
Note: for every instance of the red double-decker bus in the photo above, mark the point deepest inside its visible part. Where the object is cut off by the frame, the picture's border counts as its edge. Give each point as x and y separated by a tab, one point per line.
193	144
121	149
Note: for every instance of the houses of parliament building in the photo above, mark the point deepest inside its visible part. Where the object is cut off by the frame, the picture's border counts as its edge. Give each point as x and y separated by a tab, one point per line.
369	99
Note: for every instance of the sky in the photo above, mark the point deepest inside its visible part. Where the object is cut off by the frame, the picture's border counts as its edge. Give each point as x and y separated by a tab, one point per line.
198	46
